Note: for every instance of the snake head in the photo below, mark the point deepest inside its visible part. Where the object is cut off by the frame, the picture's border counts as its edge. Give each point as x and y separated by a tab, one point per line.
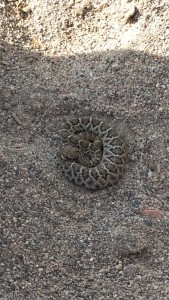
68	152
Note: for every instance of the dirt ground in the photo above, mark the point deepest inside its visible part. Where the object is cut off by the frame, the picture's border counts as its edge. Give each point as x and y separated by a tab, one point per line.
108	59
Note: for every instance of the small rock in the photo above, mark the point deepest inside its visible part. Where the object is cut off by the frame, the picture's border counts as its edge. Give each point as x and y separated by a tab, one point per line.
11	87
121	273
149	174
166	195
130	240
101	6
152	166
7	106
71	95
71	3
119	267
136	293
115	67
153	212
24	7
129	14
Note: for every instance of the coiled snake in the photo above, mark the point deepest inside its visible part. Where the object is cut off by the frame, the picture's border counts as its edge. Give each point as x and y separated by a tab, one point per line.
91	153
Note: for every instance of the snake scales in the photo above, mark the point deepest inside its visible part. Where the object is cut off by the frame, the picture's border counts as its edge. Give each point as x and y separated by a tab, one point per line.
91	153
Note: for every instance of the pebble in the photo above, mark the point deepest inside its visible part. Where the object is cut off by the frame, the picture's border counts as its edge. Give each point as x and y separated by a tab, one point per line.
129	240
153	212
129	14
119	267
115	67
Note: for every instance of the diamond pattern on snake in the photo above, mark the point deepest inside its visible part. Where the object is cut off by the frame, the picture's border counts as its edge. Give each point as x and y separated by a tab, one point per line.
91	153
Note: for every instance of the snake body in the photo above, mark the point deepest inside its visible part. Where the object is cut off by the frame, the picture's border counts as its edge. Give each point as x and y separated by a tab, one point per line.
92	153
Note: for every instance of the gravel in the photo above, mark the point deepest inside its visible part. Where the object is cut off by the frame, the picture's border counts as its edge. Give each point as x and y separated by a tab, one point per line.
105	59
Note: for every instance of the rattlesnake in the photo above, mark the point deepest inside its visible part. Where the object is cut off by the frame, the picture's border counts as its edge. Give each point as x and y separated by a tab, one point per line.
91	153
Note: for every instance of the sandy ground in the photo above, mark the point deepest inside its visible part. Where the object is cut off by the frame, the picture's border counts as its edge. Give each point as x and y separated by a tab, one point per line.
105	59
